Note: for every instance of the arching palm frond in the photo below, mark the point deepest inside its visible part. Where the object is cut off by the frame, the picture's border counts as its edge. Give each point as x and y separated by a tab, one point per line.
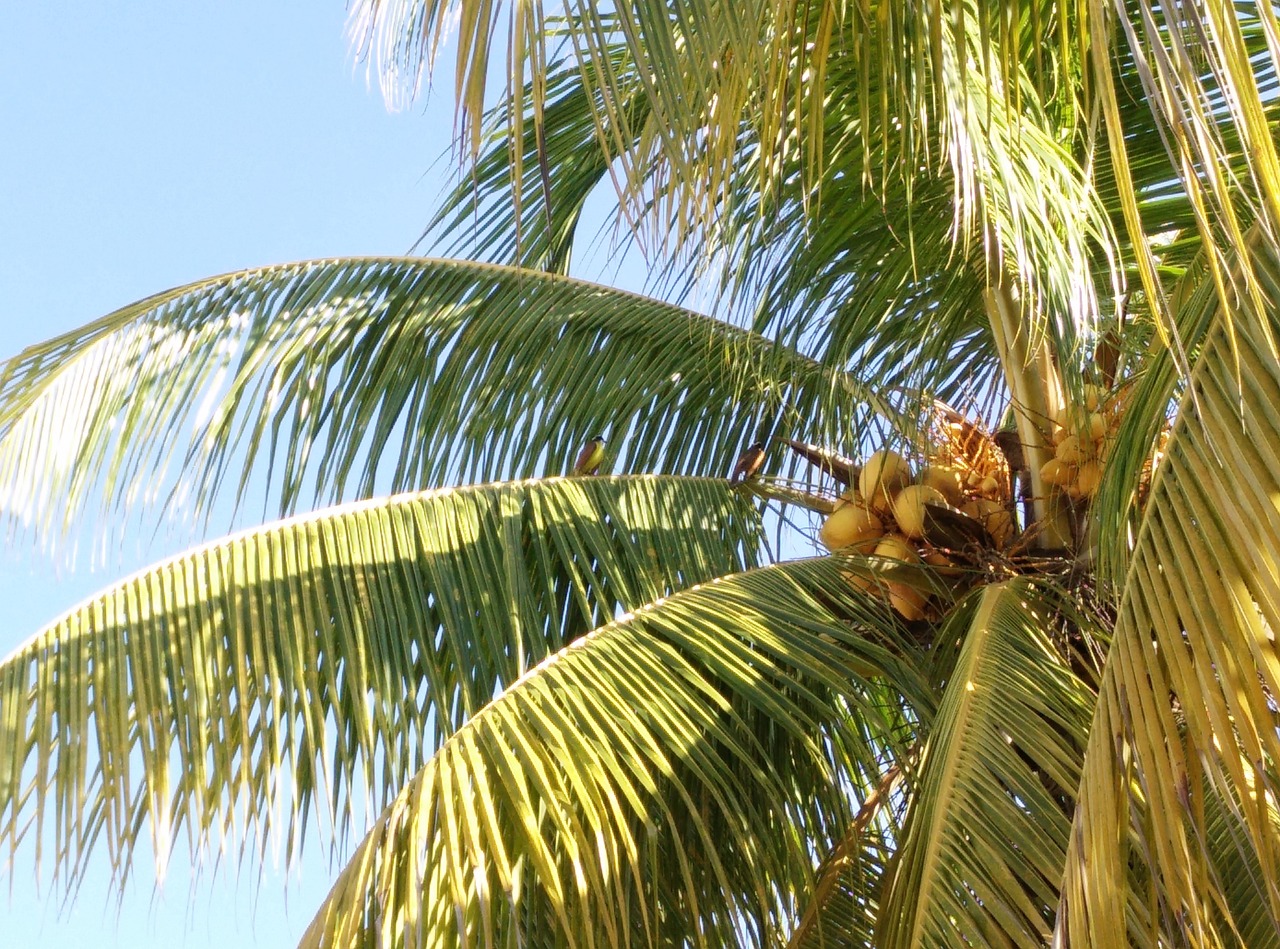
985	835
1207	77
345	374
617	793
312	665
1191	680
532	220
845	901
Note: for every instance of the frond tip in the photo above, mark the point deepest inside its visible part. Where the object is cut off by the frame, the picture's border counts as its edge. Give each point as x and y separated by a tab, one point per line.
376	374
312	665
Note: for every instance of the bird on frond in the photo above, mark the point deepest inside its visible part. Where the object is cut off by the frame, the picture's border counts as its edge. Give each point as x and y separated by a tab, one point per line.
748	464
590	457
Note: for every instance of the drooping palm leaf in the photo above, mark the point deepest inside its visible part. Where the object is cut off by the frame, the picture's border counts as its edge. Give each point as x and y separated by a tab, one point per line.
313	664
393	374
533	222
845	901
618	793
1193	672
985	835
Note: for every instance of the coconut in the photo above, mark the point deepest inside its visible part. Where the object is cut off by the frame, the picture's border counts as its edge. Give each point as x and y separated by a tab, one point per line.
1088	479
1094	396
851	525
909	510
908	601
947	481
1094	427
1069	450
998	521
1054	471
863	581
884	474
897	547
941	563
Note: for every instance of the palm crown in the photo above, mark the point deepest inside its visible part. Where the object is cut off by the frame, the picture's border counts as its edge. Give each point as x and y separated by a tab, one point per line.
608	709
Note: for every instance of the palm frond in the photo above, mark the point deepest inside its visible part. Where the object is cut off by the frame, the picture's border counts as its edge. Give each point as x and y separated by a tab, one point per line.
312	665
1208	77
989	812
532	220
617	793
845	901
1191	681
383	375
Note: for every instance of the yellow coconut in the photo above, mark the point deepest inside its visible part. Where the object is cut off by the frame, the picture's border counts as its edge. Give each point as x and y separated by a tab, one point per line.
851	525
998	521
947	481
884	474
1094	396
909	510
908	601
990	487
1069	450
897	547
863	581
941	563
1088	479
1054	471
1095	426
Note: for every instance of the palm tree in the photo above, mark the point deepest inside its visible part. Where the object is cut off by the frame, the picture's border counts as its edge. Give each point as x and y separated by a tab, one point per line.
620	709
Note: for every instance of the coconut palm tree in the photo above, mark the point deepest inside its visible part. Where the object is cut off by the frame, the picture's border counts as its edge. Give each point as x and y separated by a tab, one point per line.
1031	247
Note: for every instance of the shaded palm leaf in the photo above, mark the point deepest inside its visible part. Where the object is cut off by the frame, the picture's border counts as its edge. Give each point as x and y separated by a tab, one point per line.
1193	672
314	664
985	834
617	792
412	371
532	221
845	901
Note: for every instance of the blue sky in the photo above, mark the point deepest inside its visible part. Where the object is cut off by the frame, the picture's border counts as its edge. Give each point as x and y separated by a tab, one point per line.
144	146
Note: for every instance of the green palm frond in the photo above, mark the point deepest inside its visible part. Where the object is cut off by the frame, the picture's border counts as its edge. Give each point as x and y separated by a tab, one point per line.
1208	79
533	221
314	664
617	793
845	901
985	835
1193	672
388	374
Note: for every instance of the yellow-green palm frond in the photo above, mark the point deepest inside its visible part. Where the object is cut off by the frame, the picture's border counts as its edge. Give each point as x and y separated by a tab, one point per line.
1206	77
842	908
1189	693
985	835
312	665
711	115
618	792
380	375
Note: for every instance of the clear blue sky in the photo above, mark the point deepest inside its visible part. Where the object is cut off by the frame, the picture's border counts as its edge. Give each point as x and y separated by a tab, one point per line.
143	146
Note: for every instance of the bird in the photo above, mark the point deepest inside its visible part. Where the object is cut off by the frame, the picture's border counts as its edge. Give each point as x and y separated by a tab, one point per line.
590	457
748	465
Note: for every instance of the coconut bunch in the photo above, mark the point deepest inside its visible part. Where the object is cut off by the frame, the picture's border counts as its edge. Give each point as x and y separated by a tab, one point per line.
904	517
1082	437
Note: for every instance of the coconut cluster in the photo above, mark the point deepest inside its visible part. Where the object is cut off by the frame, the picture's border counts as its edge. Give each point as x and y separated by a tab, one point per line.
1082	438
885	515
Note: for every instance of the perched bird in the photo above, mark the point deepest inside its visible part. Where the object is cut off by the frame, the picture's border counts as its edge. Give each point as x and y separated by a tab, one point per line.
589	458
749	463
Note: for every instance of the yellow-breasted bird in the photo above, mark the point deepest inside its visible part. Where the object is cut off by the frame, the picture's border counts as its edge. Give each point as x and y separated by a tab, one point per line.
590	457
749	463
